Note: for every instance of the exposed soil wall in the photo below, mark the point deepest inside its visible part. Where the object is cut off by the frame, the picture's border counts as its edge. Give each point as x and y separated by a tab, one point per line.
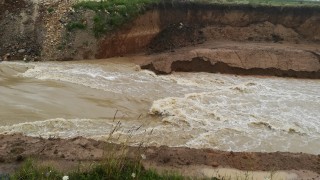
242	23
132	38
167	27
37	30
18	32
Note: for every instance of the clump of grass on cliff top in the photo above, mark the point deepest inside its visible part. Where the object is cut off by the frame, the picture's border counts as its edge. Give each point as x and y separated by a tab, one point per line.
107	170
111	14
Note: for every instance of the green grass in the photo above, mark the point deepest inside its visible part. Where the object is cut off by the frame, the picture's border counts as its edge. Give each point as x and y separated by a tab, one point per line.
75	25
111	14
30	171
50	10
107	170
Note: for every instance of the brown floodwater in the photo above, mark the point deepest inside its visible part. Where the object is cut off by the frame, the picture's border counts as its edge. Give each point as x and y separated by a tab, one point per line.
199	110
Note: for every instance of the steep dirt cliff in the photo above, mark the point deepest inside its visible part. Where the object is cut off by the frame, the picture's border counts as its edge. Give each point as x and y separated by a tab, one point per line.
237	40
39	30
167	27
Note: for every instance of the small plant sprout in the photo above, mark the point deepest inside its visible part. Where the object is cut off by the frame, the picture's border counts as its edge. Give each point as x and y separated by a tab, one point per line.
143	156
48	173
133	175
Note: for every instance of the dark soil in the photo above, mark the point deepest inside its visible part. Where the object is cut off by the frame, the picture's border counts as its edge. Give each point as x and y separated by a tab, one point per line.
7	6
176	36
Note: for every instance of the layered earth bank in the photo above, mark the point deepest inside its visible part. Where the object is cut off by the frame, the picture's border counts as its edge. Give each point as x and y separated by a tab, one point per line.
242	39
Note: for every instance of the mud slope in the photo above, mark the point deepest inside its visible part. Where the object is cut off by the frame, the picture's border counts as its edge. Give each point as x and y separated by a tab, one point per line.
15	148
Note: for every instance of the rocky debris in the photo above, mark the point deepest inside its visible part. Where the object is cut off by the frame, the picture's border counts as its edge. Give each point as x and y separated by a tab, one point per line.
17	29
54	29
6	57
29	29
21	50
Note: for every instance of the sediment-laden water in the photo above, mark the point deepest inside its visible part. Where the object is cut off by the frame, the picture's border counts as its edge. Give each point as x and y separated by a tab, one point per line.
200	110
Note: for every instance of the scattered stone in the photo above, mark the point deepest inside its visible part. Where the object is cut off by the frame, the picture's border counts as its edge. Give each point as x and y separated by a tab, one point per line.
150	151
245	157
2	160
25	58
137	68
17	150
21	50
214	164
82	142
6	57
19	158
166	159
231	153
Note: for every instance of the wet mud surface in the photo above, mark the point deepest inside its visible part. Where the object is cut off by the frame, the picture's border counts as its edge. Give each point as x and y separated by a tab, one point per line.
16	148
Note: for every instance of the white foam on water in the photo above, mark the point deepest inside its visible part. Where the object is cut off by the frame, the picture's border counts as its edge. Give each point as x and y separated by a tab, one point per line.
118	80
67	128
246	113
199	110
77	74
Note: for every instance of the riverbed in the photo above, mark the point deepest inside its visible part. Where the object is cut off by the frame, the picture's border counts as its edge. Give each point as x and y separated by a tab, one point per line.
116	101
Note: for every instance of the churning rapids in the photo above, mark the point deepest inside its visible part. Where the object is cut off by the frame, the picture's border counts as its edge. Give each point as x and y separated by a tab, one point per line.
97	98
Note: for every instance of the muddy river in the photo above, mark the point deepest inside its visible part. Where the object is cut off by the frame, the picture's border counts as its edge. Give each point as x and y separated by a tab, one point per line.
116	101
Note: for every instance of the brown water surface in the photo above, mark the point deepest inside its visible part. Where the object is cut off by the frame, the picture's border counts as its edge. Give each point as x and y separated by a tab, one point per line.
200	110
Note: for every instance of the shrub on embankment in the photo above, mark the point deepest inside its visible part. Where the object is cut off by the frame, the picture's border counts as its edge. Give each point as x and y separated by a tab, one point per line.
111	14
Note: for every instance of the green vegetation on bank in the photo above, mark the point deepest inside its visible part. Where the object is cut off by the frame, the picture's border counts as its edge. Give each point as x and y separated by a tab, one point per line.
75	25
110	14
107	170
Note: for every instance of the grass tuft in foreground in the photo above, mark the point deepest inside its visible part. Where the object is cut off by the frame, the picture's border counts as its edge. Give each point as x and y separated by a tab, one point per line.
29	170
106	170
